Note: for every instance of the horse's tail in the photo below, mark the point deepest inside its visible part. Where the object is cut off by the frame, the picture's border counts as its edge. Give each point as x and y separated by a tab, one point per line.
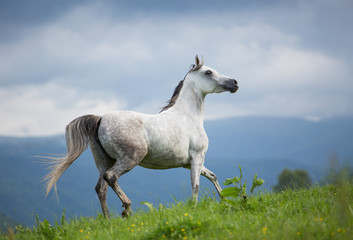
78	133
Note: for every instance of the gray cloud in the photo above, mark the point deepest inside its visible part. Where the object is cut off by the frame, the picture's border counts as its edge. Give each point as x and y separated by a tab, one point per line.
88	58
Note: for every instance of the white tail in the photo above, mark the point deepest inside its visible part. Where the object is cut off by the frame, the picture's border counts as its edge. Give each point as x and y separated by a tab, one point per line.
78	133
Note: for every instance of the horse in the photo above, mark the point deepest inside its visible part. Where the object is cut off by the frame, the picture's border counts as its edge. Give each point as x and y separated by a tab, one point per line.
121	140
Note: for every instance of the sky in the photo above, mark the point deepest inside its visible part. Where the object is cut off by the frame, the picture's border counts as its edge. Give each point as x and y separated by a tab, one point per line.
63	59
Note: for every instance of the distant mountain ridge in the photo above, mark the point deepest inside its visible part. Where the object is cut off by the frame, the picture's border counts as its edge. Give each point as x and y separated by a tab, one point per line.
263	145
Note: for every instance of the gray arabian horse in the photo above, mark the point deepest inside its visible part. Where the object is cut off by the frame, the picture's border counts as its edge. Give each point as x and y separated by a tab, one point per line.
121	140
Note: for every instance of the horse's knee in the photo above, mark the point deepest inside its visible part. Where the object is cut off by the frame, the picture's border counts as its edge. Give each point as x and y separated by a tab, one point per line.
213	176
111	179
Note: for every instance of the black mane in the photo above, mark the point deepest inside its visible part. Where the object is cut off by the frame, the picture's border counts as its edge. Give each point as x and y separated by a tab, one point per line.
172	101
178	88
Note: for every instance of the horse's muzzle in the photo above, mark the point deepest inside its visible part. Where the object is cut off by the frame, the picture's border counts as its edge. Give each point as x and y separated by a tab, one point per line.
231	85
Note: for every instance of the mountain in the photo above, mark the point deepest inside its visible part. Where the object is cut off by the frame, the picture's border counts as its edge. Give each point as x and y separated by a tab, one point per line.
260	145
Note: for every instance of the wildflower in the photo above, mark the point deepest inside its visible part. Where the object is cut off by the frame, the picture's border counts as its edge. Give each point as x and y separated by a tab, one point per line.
87	237
264	230
81	230
183	230
321	219
186	214
339	230
132	225
163	236
185	237
316	219
138	229
298	233
142	224
172	229
167	222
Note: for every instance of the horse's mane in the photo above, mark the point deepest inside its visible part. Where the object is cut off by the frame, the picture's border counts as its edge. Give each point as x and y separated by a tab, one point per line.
171	102
175	96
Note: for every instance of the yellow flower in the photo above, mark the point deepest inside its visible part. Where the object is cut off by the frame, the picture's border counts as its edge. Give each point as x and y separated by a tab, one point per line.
321	219
142	224
298	233
185	237
87	237
186	214
172	229
167	222
264	230
316	219
132	225
339	230
183	230
81	230
163	236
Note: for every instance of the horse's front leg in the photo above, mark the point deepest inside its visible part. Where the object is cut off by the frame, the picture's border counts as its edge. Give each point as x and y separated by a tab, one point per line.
213	178
195	172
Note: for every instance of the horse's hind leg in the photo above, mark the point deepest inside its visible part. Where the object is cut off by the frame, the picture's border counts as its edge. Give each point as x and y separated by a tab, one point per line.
124	199
101	189
103	163
112	176
123	165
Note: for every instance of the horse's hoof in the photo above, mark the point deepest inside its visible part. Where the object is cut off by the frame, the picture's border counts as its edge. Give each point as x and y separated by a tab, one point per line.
125	213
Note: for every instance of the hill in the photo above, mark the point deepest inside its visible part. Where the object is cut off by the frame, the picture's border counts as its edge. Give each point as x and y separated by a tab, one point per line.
315	213
262	145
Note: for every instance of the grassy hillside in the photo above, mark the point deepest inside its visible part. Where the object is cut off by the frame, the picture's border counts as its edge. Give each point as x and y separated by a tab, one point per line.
260	145
315	213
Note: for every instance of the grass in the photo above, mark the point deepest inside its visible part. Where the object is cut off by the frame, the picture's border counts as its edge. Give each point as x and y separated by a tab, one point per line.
320	212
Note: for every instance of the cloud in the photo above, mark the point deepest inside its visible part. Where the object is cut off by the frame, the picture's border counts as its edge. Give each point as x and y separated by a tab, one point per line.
46	109
101	60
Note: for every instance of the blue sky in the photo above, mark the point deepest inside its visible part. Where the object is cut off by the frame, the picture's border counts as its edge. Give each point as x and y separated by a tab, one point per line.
63	59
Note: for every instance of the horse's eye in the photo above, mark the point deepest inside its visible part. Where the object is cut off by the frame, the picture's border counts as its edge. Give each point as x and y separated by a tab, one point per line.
208	72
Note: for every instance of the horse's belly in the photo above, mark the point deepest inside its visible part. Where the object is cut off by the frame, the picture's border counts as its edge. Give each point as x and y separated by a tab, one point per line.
164	160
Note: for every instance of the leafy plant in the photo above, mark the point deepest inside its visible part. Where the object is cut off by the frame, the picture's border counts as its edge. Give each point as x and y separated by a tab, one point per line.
149	205
238	191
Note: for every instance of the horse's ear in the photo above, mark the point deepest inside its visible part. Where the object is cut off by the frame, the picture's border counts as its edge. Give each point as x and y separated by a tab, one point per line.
198	64
197	60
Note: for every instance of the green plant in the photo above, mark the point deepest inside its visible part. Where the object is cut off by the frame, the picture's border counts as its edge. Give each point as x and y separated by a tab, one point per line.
232	194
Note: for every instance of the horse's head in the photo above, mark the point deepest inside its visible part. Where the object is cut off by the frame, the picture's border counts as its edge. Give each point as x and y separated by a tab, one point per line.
208	80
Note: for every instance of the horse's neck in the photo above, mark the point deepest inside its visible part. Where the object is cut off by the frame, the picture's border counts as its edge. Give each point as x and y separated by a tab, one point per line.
190	102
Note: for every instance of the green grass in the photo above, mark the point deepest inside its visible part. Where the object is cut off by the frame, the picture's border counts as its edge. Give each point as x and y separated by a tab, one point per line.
315	213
